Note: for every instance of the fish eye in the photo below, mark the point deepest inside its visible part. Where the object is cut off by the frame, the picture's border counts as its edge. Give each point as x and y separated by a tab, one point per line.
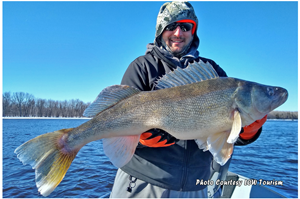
271	91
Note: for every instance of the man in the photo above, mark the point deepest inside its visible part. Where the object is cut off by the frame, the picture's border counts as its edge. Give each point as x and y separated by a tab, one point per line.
163	166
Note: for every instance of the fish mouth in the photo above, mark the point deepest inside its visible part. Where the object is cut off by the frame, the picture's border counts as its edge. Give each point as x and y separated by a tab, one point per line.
285	94
280	99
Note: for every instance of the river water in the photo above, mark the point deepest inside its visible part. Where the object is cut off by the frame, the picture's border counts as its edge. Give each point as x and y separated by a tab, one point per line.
274	156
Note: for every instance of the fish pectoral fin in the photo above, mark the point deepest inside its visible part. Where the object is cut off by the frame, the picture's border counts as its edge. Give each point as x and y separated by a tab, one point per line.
120	149
219	148
202	144
236	128
221	144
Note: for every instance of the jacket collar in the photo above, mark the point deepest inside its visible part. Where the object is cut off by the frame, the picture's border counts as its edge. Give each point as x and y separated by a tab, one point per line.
175	62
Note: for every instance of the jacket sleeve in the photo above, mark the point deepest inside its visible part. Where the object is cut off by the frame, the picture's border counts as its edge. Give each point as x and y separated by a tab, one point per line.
136	76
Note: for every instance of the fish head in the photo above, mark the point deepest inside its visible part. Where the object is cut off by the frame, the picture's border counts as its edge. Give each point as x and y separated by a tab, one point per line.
267	98
254	100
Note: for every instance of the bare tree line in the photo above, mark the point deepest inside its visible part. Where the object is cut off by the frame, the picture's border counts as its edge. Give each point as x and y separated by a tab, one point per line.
283	115
20	104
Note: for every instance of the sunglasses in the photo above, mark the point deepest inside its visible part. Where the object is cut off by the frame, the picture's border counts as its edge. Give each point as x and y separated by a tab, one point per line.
183	26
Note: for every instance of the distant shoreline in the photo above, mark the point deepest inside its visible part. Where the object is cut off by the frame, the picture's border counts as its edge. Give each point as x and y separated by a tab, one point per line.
79	118
282	119
59	118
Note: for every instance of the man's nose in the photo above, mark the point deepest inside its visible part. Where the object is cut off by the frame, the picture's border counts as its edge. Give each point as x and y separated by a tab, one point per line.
178	32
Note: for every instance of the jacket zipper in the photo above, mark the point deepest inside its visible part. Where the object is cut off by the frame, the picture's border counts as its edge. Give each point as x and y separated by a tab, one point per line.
185	164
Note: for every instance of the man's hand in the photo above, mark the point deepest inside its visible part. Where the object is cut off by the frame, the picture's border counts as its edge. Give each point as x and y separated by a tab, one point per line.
250	130
157	138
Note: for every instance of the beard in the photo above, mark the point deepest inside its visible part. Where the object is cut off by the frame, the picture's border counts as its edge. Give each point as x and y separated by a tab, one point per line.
177	53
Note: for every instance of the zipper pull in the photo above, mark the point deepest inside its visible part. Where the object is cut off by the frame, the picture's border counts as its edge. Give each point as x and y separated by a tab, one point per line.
131	184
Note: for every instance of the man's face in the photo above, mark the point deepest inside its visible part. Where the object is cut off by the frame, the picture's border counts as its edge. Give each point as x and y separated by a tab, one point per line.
177	39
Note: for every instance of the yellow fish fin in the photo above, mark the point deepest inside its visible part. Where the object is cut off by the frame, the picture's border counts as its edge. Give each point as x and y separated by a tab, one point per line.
48	158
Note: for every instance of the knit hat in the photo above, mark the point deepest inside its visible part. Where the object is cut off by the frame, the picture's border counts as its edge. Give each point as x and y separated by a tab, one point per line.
173	12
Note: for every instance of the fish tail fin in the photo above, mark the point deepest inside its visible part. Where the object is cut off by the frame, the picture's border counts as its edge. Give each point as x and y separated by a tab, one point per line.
49	159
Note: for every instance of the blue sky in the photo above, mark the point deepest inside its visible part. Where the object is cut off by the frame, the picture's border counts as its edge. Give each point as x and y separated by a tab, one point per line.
73	50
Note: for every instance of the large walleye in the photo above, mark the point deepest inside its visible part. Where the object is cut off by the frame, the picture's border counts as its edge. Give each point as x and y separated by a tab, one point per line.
194	104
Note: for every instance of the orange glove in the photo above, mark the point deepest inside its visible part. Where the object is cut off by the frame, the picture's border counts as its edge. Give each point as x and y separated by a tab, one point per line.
157	138
250	130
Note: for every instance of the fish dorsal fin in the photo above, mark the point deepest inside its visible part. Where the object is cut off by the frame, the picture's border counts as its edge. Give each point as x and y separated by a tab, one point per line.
194	72
108	97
